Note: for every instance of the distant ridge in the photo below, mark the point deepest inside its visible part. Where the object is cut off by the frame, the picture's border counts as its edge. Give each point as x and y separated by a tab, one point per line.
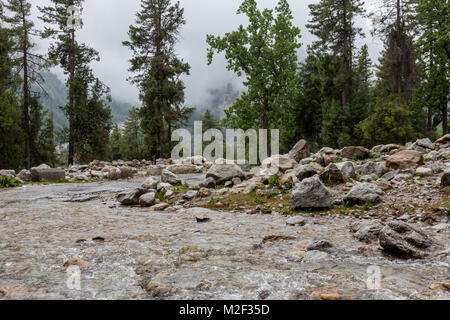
57	96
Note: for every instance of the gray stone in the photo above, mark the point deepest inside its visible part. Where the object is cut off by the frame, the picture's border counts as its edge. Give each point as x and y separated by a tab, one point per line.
348	169
315	256
311	193
52	175
169	177
303	171
228	184
191	194
126	172
296	221
150	183
445	179
24	175
164	185
208	183
404	241
224	172
7	173
368	178
354	152
320	245
370	167
236	181
147	199
300	151
364	192
390	175
369	231
130	197
114	174
426	143
332	175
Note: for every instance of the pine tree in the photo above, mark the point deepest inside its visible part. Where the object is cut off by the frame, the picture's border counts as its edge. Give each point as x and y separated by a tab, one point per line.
434	49
265	52
131	145
46	141
28	63
158	72
115	140
11	142
86	92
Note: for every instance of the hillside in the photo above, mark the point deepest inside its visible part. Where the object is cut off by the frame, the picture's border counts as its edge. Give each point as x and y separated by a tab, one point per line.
57	96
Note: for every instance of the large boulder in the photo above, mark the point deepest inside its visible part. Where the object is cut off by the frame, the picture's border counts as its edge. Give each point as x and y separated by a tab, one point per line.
405	159
354	152
114	174
369	231
282	163
208	183
425	143
126	172
147	199
303	172
405	241
364	192
24	175
130	197
348	169
300	151
332	175
50	174
169	177
445	179
311	193
185	168
369	168
445	139
224	172
7	173
150	183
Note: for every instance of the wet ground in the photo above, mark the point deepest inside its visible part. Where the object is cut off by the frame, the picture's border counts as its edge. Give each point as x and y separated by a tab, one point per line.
47	232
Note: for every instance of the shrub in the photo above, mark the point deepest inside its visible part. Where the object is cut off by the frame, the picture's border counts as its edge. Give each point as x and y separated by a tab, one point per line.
6	182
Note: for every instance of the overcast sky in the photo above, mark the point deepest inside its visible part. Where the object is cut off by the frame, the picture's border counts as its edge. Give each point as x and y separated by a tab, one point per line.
106	24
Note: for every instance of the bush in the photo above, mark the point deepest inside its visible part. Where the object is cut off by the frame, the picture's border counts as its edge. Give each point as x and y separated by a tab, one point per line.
6	182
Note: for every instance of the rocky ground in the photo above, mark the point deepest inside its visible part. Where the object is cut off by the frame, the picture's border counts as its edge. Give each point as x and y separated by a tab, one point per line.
300	226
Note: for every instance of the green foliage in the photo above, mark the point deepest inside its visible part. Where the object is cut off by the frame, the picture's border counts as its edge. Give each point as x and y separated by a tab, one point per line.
6	182
160	194
273	180
158	73
131	145
264	52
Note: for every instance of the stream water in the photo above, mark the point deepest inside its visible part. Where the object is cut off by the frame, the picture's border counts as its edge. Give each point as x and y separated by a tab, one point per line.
43	226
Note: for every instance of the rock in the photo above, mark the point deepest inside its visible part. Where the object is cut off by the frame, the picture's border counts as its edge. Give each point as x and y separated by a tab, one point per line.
368	178
285	181
402	240
279	162
389	148
369	231
316	166
303	171
126	172
163	185
355	152
296	221
50	174
160	207
236	181
169	177
224	172
300	151
24	175
158	290
405	159
315	256
390	175
191	194
202	218
204	192
425	143
377	168
44	166
208	183
8	173
147	200
228	184
384	185
364	192
185	168
332	175
150	183
424	172
311	193
445	179
130	197
445	139
319	245
114	174
327	294
348	170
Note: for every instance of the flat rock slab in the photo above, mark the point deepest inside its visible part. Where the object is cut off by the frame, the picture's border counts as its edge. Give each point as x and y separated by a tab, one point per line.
53	175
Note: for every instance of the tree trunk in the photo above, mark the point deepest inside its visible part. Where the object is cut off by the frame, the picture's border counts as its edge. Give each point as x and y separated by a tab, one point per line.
445	119
71	99
26	93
